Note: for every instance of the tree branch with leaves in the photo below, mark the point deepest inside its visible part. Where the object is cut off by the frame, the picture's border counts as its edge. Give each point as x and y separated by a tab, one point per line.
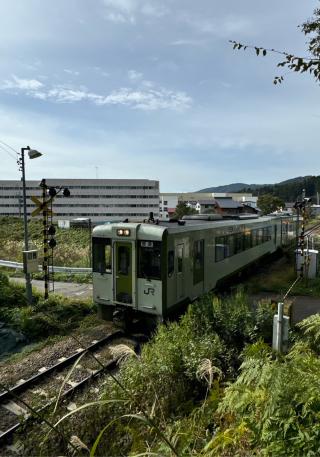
291	61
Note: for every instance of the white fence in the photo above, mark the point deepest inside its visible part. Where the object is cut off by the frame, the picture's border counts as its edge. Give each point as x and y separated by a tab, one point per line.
71	270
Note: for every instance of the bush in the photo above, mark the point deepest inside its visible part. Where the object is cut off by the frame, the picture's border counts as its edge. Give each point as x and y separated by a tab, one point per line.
57	315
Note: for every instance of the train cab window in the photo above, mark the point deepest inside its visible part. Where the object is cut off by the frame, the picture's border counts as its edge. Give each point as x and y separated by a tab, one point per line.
149	263
170	263
102	255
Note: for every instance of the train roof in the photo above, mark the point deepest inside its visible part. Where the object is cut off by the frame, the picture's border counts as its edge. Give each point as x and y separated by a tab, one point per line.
145	231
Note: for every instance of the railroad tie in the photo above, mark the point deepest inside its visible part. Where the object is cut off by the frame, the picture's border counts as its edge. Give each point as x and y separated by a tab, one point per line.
16	409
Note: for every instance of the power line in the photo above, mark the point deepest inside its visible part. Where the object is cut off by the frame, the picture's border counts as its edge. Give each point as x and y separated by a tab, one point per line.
10	147
10	154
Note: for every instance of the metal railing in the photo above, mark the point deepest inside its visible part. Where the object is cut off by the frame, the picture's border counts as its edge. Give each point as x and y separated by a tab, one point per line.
55	269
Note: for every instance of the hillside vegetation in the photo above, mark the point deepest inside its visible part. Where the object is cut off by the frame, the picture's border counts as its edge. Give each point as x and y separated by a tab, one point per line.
288	190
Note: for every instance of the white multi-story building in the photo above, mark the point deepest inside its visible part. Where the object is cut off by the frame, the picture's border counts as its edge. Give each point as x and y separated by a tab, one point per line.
98	199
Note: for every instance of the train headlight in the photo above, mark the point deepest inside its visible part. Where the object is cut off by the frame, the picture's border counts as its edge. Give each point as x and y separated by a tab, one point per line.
123	232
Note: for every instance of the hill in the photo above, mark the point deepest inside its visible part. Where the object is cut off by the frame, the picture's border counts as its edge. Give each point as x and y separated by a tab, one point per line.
235	187
288	190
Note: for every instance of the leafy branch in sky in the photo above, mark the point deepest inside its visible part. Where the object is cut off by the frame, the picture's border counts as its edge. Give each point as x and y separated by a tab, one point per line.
291	61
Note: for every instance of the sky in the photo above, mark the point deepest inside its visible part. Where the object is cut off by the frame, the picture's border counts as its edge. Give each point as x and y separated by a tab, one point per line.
153	89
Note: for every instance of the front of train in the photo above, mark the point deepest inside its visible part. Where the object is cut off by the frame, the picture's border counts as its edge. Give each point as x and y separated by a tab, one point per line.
127	270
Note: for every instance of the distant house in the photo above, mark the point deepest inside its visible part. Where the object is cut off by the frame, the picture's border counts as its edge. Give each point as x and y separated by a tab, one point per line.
225	206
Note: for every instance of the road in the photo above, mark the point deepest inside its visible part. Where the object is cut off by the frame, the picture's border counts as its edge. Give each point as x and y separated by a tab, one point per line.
69	289
301	306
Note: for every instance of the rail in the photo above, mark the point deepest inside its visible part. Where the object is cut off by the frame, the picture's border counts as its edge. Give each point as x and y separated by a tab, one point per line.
14	392
55	269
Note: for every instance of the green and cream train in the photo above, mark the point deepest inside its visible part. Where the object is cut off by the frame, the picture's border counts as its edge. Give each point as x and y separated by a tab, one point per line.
154	268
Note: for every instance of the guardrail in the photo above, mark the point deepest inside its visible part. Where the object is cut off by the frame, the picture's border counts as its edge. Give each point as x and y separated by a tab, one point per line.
55	269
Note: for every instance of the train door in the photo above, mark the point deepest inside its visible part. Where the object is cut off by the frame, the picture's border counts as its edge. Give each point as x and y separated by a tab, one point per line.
123	272
180	270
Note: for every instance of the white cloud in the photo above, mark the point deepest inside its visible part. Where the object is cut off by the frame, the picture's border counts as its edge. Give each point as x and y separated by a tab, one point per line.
71	72
134	75
126	11
223	27
21	84
149	100
187	42
148	97
154	10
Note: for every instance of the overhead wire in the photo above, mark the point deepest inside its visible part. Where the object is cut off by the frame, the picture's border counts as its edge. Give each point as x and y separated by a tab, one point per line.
9	153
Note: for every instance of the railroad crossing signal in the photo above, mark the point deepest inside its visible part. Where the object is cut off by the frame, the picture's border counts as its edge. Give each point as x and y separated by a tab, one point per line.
41	207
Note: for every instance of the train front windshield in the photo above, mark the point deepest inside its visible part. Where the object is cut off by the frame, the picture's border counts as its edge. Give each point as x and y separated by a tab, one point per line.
149	259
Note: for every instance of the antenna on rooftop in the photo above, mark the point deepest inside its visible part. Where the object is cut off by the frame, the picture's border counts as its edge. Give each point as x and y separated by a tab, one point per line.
97	169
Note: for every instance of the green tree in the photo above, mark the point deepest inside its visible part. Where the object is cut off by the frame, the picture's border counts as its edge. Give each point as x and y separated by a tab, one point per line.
269	203
299	64
183	210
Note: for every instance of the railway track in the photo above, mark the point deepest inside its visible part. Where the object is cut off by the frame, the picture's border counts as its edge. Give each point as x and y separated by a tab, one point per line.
35	391
312	230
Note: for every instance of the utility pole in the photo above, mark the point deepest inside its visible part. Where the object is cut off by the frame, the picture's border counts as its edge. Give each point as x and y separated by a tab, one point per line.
25	224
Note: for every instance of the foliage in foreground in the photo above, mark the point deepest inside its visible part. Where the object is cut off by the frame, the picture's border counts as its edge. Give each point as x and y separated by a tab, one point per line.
176	383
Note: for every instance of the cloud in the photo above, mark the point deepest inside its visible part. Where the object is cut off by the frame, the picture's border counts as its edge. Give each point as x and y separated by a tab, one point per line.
221	28
126	11
148	97
187	42
134	75
21	84
149	100
71	72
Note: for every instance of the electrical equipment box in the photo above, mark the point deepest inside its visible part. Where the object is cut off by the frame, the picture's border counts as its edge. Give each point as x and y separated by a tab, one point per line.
30	261
309	262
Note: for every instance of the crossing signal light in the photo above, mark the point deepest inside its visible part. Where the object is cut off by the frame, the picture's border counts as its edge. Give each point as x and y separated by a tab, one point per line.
52	192
51	230
52	243
66	192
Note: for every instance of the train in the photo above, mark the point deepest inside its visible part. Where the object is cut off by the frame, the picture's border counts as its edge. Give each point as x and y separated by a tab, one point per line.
153	268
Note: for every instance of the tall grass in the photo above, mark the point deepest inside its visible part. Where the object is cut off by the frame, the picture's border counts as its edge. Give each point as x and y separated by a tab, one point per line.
164	401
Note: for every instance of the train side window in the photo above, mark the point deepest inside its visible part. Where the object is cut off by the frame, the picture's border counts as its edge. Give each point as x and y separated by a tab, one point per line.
198	261
170	263
180	258
108	257
219	248
260	235
102	255
149	263
247	238
239	242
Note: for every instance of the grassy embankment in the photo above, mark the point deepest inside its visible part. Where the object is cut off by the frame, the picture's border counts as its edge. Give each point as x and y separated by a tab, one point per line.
55	316
72	247
209	386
